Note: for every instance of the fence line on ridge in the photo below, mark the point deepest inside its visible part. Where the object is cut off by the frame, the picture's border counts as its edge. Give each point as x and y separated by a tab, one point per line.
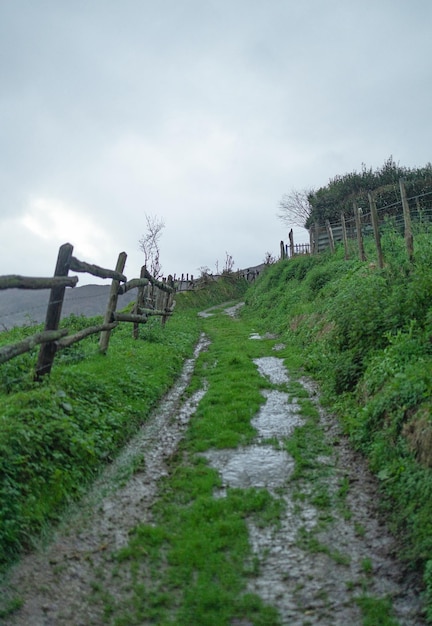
364	222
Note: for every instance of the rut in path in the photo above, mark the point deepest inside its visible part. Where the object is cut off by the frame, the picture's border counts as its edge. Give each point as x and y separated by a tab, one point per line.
311	572
315	581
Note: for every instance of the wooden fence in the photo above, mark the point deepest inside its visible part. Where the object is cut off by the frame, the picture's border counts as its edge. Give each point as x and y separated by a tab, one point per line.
184	282
363	222
154	297
293	249
189	283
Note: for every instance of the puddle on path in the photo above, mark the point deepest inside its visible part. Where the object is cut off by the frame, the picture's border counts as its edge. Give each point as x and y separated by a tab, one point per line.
272	368
233	310
277	418
230	310
251	466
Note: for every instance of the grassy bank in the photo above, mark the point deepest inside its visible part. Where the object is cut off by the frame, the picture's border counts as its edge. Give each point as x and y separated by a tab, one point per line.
366	335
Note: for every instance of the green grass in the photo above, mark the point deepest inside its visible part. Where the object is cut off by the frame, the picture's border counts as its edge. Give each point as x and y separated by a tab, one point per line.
376	611
233	395
196	558
56	436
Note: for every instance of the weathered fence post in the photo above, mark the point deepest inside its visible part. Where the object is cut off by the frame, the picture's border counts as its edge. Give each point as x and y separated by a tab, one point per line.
112	303
344	237
48	350
291	242
160	298
282	250
375	225
316	240
139	303
330	236
409	240
357	217
168	300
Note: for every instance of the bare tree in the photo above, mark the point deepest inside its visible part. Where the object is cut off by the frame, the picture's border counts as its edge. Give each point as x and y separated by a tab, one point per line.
229	264
295	208
149	244
269	259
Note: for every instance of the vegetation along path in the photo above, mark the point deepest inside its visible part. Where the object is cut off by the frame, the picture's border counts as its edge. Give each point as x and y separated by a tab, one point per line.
238	503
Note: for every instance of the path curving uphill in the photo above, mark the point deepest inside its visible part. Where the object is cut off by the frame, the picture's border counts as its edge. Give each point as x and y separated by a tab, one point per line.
328	559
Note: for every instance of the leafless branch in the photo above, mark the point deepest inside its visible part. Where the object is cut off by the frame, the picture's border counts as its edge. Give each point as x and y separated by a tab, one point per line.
149	244
295	208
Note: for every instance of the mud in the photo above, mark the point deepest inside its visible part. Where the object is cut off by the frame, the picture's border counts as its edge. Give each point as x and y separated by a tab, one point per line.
311	574
309	570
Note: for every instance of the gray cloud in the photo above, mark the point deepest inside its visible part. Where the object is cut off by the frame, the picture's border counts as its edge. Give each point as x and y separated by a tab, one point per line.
204	113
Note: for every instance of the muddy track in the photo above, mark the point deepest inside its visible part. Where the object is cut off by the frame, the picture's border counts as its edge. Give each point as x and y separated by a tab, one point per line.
306	586
55	581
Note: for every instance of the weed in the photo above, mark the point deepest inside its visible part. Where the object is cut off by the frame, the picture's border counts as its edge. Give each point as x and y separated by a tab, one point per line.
367	566
10	606
376	611
359	529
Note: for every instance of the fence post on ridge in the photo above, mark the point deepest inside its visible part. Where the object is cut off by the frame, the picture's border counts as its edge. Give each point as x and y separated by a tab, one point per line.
48	350
168	300
112	303
357	217
344	236
409	240
316	238
330	236
291	242
374	215
311	241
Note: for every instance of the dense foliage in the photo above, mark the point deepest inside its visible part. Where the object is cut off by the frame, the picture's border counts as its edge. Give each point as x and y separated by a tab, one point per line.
366	335
336	197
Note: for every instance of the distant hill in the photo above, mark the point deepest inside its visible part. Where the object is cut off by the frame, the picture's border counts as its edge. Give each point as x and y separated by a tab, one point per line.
28	306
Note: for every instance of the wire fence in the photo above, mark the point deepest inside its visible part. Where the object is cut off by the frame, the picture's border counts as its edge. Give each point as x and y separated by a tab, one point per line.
420	209
407	215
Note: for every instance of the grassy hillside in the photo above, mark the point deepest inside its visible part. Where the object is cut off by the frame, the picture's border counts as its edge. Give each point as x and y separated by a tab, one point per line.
366	335
56	436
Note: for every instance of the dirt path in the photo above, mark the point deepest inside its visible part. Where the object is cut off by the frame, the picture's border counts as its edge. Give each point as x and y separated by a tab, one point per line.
314	581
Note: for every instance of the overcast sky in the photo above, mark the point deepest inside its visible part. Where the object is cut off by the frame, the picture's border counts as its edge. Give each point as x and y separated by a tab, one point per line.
202	113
